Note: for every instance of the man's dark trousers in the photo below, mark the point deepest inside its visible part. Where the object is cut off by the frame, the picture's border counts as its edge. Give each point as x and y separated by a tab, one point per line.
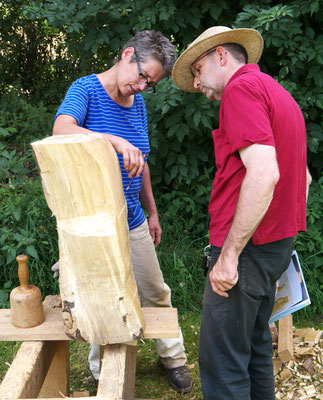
235	339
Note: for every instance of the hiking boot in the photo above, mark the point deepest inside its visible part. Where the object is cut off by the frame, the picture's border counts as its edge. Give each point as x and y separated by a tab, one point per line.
179	379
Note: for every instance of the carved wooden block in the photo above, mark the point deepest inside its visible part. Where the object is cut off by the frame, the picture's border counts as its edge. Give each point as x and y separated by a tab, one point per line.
82	183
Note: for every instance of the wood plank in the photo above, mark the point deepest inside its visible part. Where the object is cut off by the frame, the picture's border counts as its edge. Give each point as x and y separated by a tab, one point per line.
51	329
60	398
285	338
56	383
27	372
118	372
160	323
81	394
78	398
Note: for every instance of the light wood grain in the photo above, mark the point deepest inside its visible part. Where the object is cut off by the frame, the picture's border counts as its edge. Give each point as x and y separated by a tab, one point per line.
83	187
26	300
27	372
159	323
118	372
285	338
56	382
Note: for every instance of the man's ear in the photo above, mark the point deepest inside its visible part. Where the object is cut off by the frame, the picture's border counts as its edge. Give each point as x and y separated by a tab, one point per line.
222	53
128	53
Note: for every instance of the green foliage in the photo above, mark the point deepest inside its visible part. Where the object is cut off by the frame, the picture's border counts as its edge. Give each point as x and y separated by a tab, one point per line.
26	225
182	157
10	163
33	54
46	45
309	245
293	55
51	43
22	122
180	256
27	228
4	294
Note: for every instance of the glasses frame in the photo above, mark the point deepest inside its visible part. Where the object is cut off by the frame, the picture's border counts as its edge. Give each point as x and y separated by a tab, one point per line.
152	89
193	71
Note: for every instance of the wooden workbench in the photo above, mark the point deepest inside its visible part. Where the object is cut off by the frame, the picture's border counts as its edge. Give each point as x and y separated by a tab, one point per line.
41	366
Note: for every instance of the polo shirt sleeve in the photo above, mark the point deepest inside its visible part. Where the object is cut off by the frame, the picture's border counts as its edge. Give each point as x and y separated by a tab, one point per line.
76	103
246	117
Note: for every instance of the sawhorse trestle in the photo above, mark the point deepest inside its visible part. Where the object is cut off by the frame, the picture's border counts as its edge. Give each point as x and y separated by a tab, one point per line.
41	366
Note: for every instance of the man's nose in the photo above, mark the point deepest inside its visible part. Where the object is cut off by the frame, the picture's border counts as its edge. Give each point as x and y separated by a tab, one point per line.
196	82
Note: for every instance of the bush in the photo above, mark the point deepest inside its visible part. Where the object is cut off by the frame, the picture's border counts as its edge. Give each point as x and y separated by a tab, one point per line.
182	163
26	224
49	44
309	246
24	121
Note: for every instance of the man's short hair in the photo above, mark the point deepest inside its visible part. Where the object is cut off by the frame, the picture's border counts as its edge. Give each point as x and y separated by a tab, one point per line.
153	44
238	52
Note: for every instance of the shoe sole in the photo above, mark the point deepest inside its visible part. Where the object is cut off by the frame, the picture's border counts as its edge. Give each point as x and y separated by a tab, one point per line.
178	390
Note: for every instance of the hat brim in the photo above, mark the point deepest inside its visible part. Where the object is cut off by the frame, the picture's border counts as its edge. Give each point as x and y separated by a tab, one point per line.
250	39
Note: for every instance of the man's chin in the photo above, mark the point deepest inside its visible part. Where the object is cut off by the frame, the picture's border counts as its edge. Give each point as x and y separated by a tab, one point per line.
210	96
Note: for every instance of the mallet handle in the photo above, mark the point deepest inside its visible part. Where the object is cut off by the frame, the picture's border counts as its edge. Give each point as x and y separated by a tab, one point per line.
23	272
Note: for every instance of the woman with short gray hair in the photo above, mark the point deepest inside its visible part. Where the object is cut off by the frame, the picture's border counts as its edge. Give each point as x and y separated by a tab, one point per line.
110	103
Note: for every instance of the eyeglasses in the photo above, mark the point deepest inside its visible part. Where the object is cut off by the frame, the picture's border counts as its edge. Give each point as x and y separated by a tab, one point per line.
193	70
143	79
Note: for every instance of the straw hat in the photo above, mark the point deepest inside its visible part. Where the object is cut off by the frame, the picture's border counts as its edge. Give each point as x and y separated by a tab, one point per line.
250	39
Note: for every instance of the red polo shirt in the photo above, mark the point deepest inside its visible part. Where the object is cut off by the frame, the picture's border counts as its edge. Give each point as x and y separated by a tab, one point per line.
257	109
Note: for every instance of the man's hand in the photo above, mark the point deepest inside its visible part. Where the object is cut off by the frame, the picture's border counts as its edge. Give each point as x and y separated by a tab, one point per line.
224	275
155	229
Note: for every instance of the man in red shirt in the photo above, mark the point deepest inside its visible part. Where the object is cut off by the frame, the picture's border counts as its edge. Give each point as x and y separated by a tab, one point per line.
257	206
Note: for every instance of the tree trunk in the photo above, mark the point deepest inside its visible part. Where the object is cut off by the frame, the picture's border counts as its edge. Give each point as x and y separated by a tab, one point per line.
82	182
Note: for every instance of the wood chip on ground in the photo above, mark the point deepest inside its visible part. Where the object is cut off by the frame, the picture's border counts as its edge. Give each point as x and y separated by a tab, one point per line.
301	378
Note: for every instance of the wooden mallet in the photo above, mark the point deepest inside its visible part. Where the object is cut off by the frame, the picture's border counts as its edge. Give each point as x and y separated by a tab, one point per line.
26	300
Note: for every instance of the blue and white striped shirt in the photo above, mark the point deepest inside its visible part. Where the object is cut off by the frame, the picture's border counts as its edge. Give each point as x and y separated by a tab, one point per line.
89	103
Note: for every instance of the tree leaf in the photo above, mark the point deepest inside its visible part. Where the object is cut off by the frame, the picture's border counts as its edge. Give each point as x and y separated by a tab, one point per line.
32	252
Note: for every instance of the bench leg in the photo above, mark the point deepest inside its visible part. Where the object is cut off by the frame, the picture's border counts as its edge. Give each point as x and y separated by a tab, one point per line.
37	365
56	383
118	372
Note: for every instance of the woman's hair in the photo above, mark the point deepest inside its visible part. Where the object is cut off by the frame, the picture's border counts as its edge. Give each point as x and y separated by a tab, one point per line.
152	44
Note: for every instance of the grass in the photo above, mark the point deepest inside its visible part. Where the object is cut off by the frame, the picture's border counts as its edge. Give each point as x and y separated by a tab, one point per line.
180	255
151	380
8	351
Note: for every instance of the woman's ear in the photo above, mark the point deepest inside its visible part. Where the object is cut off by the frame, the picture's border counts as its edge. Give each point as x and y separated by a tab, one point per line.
128	53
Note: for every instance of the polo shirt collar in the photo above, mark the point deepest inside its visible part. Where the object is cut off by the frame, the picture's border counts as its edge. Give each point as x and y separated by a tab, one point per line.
244	70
